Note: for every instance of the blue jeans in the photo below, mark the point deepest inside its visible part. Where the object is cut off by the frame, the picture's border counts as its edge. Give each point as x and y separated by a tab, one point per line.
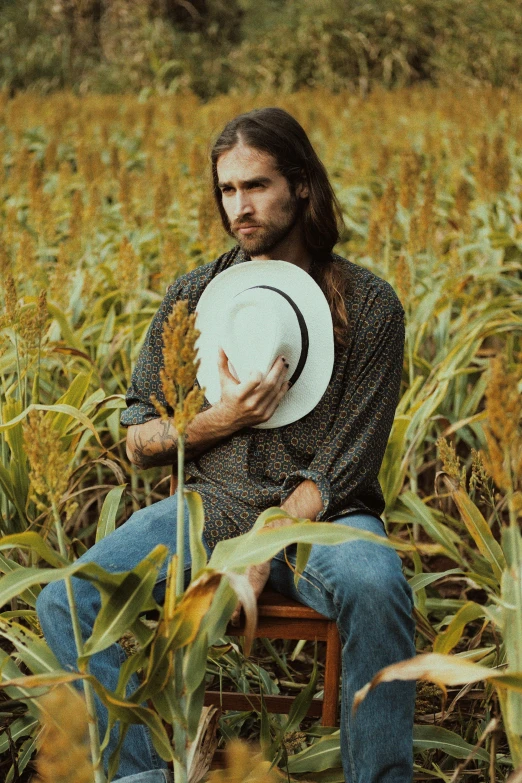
358	584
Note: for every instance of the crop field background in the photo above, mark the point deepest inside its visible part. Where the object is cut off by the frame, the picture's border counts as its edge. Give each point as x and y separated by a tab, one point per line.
105	200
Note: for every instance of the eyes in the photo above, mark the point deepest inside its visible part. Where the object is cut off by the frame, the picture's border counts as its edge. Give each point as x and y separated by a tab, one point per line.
254	185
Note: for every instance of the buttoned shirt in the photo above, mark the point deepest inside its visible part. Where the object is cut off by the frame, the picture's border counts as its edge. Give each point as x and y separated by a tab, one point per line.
339	445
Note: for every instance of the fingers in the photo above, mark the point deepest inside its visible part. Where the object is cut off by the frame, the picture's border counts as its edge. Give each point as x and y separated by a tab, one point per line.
223	367
278	371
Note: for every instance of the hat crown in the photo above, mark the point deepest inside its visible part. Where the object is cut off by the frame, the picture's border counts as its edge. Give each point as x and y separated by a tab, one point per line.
259	325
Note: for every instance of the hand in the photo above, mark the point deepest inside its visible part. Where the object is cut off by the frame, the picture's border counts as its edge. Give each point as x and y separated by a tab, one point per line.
258	577
255	400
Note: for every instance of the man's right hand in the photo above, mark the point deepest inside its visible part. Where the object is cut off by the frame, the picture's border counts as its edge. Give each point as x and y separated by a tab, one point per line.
254	400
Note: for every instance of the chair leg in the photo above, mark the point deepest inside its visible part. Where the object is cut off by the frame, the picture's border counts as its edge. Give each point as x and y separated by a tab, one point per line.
332	672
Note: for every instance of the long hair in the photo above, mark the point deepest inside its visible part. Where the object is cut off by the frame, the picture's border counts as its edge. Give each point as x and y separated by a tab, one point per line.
276	132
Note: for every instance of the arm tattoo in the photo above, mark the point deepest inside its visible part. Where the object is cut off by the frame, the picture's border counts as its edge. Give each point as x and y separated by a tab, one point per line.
160	449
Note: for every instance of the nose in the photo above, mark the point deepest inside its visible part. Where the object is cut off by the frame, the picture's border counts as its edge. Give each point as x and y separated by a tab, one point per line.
243	205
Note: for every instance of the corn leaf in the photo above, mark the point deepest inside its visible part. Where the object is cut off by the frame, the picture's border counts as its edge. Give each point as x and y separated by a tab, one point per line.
447	640
322	755
107	521
35	543
478	529
198	552
120	609
438	738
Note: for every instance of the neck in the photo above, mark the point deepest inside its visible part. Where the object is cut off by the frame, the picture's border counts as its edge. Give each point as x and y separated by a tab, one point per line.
292	249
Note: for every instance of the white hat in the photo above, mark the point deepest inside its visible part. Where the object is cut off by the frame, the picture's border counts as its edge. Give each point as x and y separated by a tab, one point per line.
257	311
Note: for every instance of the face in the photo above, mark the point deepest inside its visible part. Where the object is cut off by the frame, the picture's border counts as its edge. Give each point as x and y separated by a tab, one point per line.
257	199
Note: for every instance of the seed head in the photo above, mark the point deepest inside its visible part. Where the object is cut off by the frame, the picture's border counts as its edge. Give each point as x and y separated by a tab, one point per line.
64	751
50	465
500	171
503	455
403	279
162	199
387	207
427	212
243	765
463	198
178	375
409	178
128	267
450	461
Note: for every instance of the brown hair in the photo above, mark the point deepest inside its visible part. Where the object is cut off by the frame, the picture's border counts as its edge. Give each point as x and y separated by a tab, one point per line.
275	131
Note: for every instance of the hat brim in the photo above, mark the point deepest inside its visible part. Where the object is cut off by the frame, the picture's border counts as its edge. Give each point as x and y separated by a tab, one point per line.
298	284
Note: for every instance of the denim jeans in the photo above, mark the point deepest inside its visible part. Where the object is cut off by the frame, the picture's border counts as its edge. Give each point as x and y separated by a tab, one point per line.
358	584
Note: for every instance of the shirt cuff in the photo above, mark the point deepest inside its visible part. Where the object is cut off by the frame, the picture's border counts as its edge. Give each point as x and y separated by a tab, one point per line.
322	484
138	414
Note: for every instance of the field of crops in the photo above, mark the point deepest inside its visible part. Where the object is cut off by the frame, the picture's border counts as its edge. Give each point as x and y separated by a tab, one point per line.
106	200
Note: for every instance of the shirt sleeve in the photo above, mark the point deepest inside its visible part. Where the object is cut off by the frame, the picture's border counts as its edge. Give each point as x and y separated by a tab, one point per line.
145	378
347	463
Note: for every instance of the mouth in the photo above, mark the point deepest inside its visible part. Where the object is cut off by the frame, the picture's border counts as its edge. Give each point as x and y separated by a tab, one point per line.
245	230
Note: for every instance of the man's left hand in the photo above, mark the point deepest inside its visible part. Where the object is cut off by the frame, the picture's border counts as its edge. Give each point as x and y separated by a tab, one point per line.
258	577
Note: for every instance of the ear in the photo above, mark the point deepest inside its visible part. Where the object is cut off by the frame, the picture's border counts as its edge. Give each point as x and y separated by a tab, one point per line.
302	190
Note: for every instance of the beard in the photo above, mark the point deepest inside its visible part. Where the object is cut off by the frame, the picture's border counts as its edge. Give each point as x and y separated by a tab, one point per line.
270	234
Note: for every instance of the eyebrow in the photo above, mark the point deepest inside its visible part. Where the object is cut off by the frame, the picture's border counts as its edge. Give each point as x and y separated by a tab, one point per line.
254	180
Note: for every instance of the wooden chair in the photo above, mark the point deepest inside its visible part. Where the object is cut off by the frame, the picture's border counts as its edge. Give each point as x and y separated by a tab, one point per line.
283	618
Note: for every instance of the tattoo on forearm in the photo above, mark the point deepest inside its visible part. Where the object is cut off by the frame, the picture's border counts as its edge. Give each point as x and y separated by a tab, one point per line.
160	449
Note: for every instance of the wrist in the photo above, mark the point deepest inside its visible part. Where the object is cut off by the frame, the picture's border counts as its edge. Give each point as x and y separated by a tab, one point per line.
222	420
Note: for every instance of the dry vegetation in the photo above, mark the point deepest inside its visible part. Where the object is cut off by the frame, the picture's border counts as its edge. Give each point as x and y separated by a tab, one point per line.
105	200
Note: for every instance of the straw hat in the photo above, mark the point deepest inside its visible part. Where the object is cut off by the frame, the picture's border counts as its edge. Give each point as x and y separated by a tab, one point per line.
257	311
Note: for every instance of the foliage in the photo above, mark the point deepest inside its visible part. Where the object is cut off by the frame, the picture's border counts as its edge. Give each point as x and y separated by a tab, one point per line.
213	47
104	201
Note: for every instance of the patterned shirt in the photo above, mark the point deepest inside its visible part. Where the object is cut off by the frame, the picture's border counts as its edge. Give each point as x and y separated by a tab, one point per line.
339	445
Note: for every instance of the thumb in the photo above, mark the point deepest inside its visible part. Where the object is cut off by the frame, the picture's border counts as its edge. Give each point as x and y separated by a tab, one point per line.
224	372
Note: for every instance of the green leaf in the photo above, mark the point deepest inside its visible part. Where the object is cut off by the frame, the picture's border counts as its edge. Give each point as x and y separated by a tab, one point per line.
74	397
21	727
478	529
35	543
259	545
66	409
9	671
107	520
121	607
8	566
194	707
393	468
31	648
20	579
195	661
438	738
198	552
420	581
25	753
437	531
447	640
301	703
322	755
303	553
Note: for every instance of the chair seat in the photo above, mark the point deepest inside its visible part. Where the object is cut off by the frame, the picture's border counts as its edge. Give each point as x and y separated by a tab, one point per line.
272	604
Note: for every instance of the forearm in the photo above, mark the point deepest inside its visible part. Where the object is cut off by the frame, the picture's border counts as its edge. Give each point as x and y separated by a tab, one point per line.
305	501
156	442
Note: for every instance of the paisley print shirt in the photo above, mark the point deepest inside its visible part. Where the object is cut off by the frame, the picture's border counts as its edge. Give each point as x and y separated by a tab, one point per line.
339	445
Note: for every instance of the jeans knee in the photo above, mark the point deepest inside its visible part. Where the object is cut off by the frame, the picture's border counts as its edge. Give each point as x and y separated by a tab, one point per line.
50	601
377	584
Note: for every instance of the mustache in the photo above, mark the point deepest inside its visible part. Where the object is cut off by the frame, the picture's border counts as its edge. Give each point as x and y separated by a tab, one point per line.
241	224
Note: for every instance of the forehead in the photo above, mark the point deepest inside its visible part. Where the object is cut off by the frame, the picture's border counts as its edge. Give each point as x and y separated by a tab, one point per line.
243	162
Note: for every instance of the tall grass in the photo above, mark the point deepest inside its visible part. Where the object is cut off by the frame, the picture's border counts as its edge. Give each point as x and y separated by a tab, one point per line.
105	200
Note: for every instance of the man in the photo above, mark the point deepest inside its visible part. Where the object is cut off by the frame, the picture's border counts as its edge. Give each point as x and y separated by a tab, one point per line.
274	197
